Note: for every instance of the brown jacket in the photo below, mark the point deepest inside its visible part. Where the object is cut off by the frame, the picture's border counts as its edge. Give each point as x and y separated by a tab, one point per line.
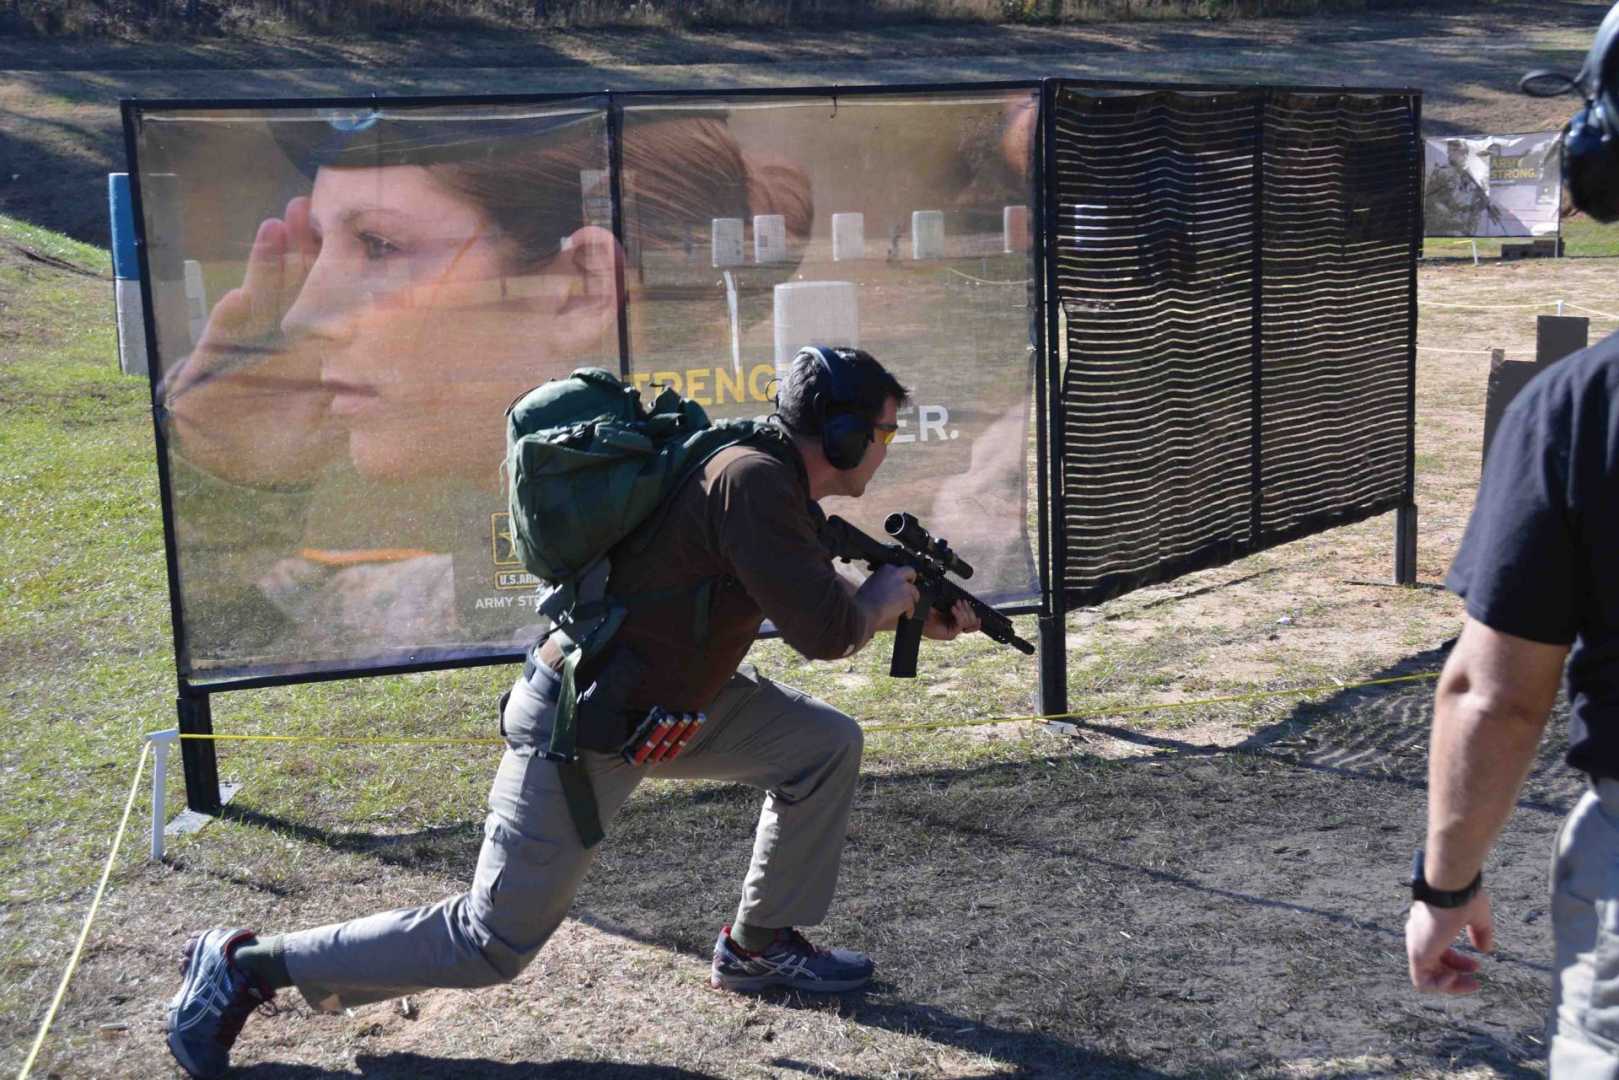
746	522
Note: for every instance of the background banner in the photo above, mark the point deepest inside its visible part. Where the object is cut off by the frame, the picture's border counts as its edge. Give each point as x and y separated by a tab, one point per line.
345	300
1493	185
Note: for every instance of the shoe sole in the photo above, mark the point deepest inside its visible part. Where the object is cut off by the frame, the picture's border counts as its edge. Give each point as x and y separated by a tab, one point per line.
191	1068
745	984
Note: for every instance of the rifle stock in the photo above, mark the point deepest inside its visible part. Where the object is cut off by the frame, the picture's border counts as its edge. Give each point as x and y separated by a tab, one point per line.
938	591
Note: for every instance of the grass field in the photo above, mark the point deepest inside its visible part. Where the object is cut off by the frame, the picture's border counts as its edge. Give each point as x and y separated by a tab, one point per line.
1582	239
318	831
1203	891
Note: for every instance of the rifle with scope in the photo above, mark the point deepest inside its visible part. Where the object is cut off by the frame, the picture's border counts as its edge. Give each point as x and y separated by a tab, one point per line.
932	560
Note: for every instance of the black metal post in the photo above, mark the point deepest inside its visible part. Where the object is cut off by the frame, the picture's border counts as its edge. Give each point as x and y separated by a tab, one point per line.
197	755
615	181
1405	518
1054	617
152	258
1405	544
1256	360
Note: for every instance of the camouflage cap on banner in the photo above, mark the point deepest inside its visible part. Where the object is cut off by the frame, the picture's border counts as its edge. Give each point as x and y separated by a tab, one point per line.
374	137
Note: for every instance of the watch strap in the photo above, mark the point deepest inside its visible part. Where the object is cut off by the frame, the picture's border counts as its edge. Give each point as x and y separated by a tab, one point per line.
1440	898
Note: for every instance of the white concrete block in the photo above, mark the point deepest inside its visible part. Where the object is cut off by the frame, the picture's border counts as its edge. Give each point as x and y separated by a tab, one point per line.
769	238
727	241
815	313
927	234
848	236
131	328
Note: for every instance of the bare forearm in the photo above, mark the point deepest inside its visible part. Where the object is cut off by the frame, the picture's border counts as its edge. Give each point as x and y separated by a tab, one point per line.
1482	750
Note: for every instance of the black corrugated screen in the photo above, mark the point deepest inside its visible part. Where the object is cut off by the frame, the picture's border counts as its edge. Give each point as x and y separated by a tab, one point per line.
1234	273
1339	214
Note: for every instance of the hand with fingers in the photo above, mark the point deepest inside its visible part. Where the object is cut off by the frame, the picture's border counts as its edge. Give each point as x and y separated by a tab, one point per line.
247	405
1436	965
890	592
962	619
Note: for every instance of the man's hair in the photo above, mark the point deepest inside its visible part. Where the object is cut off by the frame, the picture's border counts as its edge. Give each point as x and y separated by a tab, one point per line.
868	383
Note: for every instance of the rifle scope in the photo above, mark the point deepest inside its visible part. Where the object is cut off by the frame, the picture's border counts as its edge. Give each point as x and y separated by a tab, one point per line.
909	531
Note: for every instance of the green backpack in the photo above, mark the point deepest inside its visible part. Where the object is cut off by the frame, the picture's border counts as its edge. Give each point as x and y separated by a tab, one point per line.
590	469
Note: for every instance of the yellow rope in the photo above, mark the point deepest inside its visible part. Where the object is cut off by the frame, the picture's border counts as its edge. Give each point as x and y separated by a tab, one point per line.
380	740
78	950
1106	710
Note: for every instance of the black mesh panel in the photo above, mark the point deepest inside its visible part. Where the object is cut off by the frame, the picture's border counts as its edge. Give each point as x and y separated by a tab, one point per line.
1234	277
1339	210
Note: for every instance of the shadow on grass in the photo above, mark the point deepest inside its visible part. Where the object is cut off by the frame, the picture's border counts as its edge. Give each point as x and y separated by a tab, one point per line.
422	1067
1029	1057
1026	1053
1377	743
1189	910
447	849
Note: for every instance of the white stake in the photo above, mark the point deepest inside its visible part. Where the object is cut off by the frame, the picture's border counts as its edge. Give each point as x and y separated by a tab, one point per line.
196	299
1014	229
160	741
769	238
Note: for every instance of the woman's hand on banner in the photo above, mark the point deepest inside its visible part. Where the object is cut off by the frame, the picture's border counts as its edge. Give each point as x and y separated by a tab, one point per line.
247	405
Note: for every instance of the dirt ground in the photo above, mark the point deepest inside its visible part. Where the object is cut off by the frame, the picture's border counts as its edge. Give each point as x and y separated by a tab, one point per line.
1215	896
1164	907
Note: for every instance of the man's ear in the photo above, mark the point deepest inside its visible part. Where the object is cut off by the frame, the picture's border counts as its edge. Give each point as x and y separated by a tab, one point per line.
586	282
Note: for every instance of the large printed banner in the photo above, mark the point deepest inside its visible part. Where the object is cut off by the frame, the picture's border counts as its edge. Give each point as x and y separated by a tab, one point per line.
1493	185
346	300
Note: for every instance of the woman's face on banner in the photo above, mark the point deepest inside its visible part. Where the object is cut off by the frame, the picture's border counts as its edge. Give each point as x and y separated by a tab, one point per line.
424	330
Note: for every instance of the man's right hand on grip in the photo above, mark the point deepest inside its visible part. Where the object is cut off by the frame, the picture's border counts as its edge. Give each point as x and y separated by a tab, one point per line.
890	592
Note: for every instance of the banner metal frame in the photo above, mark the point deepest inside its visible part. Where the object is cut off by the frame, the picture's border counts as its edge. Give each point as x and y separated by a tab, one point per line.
193	695
1055	599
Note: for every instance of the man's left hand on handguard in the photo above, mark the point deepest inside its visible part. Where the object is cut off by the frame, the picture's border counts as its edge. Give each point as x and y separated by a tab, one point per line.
963	619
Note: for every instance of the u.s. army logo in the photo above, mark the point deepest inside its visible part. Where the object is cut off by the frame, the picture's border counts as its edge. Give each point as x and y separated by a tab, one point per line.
509	572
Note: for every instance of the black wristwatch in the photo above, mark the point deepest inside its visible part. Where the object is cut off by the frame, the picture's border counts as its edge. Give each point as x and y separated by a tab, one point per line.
1421	890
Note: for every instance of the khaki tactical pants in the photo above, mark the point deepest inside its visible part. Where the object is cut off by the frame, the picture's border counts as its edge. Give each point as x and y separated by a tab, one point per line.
1585	919
802	752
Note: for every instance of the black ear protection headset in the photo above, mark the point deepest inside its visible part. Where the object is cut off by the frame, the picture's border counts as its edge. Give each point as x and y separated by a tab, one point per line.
845	430
1591	138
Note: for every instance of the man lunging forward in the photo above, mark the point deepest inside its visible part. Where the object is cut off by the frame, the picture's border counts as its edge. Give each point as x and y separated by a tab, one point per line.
746	523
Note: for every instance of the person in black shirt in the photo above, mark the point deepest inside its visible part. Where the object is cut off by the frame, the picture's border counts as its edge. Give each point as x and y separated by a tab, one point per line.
1539	570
